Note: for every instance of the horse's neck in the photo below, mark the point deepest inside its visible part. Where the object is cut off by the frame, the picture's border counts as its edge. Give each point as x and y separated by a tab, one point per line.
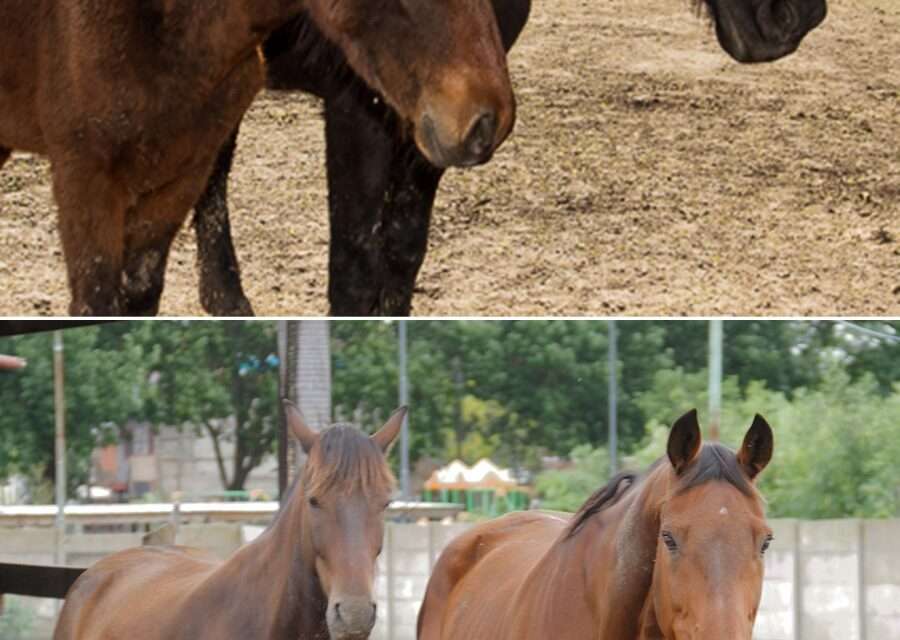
281	592
621	594
615	552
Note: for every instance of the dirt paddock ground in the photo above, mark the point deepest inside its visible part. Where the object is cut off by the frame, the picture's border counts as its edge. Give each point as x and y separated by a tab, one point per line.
648	175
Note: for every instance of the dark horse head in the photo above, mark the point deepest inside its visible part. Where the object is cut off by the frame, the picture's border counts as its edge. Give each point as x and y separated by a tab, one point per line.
440	64
344	489
763	30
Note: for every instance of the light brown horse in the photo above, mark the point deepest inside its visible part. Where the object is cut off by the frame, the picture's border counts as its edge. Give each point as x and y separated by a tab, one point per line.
133	99
677	554
309	576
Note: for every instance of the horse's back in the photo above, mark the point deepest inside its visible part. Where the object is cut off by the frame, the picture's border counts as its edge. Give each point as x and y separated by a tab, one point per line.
111	598
499	553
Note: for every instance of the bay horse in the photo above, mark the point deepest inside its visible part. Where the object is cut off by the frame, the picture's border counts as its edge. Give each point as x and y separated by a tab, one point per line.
133	100
674	555
309	576
381	190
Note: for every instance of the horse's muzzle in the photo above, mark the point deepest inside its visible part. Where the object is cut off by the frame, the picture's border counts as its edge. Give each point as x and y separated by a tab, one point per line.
351	618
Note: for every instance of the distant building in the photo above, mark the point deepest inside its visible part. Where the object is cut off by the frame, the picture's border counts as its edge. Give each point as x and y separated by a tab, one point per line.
172	461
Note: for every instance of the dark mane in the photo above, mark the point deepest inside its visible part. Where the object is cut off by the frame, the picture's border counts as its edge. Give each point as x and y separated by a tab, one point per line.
601	499
345	459
715	462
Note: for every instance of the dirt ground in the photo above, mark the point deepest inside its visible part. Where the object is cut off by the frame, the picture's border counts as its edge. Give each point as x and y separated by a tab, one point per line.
648	175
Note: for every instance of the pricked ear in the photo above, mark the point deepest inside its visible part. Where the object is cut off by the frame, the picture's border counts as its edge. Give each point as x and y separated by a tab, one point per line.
684	441
386	435
757	449
306	436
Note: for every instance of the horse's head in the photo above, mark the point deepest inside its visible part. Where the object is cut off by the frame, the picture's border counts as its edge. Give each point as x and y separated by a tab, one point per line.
439	63
345	488
764	30
713	534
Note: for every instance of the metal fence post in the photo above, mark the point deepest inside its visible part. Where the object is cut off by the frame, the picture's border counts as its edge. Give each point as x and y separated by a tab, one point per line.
797	583
861	578
389	559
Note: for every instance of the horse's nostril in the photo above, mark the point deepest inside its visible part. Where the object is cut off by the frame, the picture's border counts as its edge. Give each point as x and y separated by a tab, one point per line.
480	139
337	610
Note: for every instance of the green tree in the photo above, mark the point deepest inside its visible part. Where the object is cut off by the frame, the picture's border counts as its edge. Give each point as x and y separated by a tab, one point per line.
104	374
567	489
220	378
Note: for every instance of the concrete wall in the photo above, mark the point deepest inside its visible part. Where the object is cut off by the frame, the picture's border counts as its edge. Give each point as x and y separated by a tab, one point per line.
844	574
187	462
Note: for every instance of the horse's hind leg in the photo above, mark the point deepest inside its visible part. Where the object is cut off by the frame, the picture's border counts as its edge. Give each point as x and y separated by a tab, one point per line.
4	156
221	293
92	228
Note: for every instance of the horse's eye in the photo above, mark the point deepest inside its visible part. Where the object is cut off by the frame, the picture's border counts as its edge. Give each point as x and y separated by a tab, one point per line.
314	503
766	543
387	504
669	539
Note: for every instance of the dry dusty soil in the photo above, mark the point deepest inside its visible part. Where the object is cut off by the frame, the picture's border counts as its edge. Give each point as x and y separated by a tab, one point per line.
648	175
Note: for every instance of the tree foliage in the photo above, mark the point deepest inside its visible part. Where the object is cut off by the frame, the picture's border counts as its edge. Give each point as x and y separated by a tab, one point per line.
512	390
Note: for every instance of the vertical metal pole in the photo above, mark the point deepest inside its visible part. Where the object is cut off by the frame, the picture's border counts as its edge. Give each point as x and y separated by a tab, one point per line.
283	393
389	561
612	350
797	583
715	378
59	401
861	579
404	400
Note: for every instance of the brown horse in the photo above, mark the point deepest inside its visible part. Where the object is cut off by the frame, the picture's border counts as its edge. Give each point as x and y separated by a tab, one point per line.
309	576
133	99
677	554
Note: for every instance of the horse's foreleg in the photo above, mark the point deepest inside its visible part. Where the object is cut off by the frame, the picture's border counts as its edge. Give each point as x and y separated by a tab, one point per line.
151	227
221	293
511	18
406	222
146	256
360	152
4	156
92	228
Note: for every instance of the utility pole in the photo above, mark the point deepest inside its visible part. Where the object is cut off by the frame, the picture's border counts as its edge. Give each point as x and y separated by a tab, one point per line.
403	394
715	378
612	352
59	402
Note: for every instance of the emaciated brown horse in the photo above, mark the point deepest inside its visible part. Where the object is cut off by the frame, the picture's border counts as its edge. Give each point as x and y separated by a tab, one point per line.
133	99
677	554
309	576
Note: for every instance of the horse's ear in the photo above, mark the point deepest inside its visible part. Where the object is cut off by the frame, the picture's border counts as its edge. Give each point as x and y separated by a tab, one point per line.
757	449
684	441
386	435
302	431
